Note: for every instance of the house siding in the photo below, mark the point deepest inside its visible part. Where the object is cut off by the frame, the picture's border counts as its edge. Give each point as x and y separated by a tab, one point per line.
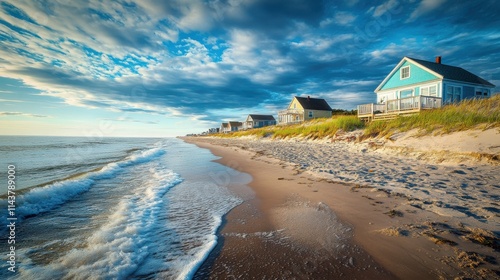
468	92
417	75
317	114
295	104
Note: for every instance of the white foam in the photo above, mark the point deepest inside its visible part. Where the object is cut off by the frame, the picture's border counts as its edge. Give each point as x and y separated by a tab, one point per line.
43	199
116	249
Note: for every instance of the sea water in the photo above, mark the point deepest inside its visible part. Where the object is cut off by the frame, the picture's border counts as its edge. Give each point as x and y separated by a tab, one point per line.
111	208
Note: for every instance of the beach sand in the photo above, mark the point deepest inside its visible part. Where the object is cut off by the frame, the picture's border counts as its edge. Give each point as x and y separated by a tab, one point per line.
305	222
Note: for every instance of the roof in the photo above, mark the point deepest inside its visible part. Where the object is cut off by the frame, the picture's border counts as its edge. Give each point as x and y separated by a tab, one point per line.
225	125
313	103
262	117
452	72
235	123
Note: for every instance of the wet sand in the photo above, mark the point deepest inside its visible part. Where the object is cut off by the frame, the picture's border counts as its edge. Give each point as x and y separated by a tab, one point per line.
304	227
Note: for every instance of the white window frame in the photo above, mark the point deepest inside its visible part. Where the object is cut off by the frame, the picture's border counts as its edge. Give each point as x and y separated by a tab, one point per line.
401	72
407	89
428	88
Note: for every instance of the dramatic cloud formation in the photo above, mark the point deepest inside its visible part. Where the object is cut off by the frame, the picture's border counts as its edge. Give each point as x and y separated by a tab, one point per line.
164	62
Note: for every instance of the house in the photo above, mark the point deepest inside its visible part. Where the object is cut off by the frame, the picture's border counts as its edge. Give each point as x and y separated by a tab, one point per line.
213	130
224	128
235	126
304	108
414	85
256	121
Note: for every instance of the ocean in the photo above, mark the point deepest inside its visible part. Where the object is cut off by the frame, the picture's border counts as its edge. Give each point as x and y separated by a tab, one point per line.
110	208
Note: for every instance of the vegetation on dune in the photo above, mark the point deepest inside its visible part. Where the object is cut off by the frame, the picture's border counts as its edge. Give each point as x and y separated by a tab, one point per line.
468	114
317	128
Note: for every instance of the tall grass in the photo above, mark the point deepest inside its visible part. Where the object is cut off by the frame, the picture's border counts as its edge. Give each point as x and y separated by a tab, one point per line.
468	114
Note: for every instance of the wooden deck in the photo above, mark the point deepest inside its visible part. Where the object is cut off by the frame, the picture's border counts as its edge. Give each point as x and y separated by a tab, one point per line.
393	108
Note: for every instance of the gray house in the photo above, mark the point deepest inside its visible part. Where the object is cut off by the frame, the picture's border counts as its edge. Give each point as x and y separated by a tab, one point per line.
256	121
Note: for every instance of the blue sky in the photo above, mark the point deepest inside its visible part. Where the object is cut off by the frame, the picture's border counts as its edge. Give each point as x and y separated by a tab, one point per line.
166	68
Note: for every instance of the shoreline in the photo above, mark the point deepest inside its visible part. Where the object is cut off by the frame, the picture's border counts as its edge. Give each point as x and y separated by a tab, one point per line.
377	230
255	241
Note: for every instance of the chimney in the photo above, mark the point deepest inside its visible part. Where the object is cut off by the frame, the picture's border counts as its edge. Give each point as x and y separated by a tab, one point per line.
308	98
438	59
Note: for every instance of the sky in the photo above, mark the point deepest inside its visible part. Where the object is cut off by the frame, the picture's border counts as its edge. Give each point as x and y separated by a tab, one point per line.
151	68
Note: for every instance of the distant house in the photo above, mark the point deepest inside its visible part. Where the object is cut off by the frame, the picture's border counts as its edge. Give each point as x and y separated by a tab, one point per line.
235	126
213	130
224	128
256	121
415	84
304	108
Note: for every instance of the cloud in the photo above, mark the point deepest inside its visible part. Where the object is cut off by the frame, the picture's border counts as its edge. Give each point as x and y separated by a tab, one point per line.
425	7
10	100
204	59
22	114
385	7
129	120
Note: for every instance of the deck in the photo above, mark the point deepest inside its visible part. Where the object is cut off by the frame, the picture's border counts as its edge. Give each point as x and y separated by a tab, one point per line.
290	116
393	108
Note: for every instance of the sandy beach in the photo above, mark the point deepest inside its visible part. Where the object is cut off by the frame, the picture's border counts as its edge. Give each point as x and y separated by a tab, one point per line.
375	209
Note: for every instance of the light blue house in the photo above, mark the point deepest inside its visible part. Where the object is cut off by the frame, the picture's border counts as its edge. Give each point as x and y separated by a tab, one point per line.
416	84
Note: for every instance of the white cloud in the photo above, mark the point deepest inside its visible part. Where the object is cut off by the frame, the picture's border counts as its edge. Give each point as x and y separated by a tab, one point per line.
10	100
425	7
22	114
344	18
385	7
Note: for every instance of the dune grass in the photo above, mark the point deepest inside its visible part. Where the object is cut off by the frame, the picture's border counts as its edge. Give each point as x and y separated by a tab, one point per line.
317	128
468	114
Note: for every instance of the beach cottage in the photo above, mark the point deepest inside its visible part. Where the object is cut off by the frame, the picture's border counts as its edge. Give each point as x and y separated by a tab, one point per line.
230	127
235	126
304	108
224	128
256	121
414	85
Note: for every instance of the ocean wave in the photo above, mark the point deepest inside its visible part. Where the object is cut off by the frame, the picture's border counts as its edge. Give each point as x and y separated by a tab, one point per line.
42	199
117	248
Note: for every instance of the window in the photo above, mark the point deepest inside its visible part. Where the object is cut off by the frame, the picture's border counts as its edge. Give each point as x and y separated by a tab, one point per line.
480	92
453	94
406	93
310	114
405	72
428	91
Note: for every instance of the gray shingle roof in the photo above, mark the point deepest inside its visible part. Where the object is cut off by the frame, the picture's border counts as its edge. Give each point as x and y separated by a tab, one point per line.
262	117
453	73
313	103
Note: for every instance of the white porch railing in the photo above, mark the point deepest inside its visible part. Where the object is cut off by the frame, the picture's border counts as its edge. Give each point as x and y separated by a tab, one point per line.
290	116
396	106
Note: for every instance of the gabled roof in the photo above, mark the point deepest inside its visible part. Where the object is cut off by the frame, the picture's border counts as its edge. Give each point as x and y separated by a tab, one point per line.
262	117
313	103
453	73
443	71
235	124
225	125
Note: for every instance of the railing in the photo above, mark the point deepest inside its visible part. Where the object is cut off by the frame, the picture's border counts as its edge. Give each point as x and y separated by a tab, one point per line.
291	112
413	103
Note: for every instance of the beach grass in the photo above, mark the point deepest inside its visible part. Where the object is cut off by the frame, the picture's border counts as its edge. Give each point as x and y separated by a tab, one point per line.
468	114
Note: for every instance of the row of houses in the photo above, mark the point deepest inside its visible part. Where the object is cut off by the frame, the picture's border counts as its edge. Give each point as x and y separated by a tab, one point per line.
252	121
300	109
413	85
